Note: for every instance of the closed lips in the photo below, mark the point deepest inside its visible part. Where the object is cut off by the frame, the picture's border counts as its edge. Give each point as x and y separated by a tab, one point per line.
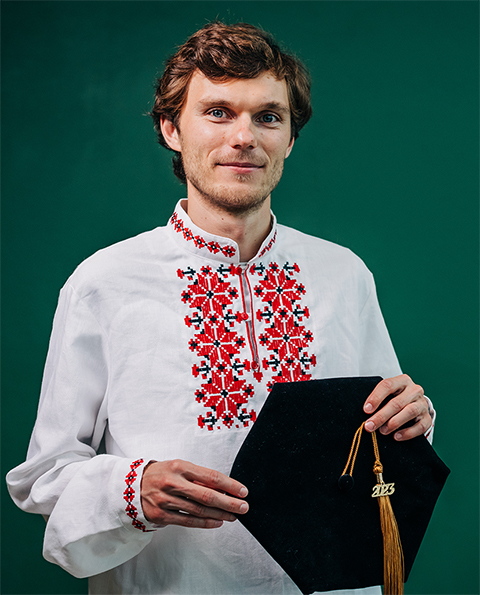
243	165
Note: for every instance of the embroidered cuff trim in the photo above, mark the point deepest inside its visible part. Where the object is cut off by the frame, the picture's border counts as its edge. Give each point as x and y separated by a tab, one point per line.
129	495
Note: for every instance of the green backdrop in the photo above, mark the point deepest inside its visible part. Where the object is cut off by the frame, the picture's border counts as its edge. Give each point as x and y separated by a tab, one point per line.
387	166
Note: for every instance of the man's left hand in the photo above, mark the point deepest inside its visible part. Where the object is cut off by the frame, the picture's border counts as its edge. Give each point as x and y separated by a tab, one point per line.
408	403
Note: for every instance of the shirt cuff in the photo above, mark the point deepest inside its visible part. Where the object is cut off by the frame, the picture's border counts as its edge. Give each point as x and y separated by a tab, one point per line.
433	415
133	508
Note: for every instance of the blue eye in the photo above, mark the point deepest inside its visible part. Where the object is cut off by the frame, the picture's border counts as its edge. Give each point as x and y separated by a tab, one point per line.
217	113
269	118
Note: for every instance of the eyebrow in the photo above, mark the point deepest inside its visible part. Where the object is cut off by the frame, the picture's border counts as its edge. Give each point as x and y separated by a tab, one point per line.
269	105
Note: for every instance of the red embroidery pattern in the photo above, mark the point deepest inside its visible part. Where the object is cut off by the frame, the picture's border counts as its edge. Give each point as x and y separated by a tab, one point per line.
200	242
285	337
223	392
269	245
128	495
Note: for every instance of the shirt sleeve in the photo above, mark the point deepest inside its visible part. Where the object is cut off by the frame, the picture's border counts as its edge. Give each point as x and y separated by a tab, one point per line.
95	521
376	353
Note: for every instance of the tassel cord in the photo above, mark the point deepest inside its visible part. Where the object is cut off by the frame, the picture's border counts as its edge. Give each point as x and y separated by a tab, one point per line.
353	451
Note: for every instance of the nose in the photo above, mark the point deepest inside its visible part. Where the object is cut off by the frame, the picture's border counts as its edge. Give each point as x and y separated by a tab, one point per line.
243	134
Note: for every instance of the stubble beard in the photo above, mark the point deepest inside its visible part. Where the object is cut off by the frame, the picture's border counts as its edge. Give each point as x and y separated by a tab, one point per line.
236	201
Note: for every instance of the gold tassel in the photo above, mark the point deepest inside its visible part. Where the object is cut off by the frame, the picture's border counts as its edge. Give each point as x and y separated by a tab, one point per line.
393	563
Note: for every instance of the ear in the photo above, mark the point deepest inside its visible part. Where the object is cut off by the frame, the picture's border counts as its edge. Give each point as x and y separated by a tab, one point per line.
290	147
170	134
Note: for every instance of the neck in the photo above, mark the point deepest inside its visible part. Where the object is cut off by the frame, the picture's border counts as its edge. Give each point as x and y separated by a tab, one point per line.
248	230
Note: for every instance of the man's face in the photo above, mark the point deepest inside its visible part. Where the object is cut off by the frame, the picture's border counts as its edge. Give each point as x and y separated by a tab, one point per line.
234	137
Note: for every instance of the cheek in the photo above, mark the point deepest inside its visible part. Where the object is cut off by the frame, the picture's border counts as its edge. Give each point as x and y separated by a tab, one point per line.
281	154
206	145
278	147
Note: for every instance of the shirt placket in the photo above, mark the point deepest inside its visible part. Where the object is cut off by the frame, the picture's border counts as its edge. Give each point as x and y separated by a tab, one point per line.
248	317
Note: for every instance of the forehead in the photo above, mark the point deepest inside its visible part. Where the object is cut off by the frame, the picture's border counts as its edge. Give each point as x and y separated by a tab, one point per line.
256	93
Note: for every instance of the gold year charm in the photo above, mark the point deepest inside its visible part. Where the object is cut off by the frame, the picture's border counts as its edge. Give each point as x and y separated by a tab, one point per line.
383	489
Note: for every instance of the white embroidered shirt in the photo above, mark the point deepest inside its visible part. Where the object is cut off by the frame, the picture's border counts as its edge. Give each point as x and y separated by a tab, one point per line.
166	345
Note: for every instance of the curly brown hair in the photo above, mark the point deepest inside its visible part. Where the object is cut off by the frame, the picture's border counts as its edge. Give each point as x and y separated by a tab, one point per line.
222	52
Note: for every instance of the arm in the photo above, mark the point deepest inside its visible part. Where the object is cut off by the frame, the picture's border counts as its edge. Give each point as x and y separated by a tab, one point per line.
88	529
94	504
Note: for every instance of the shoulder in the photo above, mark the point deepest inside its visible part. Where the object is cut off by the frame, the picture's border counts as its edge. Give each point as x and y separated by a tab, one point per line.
319	252
119	262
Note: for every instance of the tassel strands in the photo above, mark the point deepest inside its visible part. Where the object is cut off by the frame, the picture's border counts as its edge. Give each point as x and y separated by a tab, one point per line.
393	561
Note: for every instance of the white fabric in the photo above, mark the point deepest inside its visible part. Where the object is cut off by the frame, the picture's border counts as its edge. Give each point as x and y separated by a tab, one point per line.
127	361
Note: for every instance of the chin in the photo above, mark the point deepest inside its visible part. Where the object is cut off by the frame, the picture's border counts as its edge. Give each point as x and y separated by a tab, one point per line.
236	202
236	198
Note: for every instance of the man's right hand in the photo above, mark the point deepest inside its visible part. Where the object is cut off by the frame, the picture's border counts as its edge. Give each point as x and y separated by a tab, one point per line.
181	493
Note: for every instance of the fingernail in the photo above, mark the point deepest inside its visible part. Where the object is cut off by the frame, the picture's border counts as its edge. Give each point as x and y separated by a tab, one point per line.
243	492
368	408
370	426
398	436
243	508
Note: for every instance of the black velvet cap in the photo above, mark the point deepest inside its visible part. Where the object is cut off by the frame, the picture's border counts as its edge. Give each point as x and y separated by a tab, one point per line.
325	537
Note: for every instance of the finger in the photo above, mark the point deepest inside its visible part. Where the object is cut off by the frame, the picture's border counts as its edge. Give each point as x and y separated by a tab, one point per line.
158	508
422	425
187	520
412	411
203	485
211	498
394	407
385	388
214	479
211	488
199	510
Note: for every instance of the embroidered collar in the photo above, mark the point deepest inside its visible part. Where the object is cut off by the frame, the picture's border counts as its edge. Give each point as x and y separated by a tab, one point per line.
205	244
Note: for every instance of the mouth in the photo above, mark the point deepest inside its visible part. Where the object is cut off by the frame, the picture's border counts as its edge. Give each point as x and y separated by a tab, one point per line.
241	167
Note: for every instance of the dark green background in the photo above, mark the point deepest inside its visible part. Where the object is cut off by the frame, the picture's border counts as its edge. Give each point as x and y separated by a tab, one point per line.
387	166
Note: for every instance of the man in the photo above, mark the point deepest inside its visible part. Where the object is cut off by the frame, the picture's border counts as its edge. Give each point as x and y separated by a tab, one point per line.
165	346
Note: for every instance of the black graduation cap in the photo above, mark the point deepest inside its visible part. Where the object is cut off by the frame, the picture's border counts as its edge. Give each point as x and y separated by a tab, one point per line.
325	533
